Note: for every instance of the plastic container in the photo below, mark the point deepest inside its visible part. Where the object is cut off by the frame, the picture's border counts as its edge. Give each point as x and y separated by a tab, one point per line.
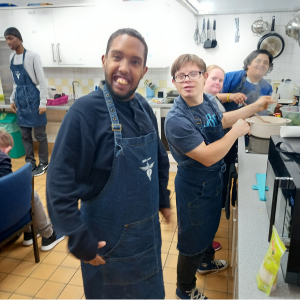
286	90
57	101
149	92
8	121
292	113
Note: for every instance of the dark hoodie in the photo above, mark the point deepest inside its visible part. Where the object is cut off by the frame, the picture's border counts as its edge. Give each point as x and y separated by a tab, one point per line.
5	164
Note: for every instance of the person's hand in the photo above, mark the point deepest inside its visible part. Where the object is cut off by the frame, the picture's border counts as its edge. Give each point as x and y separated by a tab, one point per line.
42	110
97	260
166	212
241	128
262	102
13	107
237	98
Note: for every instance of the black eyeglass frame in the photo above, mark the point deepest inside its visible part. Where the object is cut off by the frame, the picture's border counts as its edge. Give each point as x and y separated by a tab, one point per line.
200	72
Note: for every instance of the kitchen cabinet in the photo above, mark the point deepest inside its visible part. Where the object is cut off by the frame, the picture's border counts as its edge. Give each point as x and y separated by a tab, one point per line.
6	21
61	36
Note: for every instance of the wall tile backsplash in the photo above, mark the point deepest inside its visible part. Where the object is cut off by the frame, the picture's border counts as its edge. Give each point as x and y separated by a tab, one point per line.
62	78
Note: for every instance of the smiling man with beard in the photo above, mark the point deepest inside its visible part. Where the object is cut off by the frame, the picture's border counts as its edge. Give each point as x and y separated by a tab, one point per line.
109	155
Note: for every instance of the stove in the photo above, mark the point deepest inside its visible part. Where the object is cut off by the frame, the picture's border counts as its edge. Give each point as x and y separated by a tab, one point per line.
256	145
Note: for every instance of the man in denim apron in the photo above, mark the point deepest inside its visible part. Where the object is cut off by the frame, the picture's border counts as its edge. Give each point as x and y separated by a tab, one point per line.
194	130
27	101
109	155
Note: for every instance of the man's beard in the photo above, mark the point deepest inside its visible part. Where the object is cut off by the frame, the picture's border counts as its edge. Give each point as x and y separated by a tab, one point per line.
118	97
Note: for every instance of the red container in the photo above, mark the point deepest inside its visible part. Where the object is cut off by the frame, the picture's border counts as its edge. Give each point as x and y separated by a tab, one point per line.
57	101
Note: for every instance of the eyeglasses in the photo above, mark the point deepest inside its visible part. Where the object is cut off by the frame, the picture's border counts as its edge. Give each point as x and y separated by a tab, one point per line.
192	76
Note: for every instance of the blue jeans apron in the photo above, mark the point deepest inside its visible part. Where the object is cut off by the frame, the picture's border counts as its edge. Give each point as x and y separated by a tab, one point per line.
252	92
27	97
125	215
199	196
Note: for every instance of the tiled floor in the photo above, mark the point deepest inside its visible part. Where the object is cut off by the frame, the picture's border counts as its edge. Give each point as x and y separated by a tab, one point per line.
58	275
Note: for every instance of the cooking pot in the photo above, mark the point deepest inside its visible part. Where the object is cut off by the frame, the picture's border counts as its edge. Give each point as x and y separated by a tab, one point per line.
292	29
265	130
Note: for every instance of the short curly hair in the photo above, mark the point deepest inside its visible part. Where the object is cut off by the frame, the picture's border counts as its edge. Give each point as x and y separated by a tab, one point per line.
6	139
254	54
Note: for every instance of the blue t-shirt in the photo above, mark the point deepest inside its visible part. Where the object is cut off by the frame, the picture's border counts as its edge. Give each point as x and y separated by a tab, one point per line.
180	128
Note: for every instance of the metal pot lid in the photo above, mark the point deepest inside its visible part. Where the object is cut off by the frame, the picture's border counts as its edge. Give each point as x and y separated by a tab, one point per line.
273	44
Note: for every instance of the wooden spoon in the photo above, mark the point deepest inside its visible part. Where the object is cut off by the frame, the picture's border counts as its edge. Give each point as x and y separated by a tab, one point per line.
257	115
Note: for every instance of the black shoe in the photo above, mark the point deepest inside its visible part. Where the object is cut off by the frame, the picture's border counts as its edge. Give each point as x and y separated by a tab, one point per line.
28	238
33	167
51	242
195	293
40	169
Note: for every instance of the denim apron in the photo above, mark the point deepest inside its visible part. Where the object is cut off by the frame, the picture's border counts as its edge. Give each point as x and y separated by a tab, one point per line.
27	97
199	194
252	92
125	215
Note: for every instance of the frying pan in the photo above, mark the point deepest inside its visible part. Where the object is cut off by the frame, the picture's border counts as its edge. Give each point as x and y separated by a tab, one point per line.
272	42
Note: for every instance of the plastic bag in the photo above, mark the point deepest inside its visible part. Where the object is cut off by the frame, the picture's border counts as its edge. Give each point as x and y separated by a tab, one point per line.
267	275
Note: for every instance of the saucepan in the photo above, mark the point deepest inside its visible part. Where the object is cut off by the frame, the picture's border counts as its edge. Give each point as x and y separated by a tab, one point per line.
265	130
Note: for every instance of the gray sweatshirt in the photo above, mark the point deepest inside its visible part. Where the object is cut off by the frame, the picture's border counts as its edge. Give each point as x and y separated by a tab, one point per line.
34	68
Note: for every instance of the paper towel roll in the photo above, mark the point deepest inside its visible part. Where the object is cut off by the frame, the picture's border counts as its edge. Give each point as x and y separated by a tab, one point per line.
290	131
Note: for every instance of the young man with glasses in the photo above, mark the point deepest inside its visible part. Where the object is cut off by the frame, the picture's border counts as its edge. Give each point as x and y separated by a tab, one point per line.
194	130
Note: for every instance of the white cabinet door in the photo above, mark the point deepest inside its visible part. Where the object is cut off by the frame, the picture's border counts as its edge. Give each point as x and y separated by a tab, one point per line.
75	35
36	28
158	118
6	20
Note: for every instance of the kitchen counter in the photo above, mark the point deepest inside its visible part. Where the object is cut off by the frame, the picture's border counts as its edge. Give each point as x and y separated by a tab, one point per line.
64	106
253	228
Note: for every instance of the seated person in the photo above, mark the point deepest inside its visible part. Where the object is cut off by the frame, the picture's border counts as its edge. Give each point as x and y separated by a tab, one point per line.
44	228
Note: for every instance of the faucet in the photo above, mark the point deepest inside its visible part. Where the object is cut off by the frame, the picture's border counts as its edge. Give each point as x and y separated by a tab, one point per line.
74	94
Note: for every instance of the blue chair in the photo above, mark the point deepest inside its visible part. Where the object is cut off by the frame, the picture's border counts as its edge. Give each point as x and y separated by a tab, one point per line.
17	206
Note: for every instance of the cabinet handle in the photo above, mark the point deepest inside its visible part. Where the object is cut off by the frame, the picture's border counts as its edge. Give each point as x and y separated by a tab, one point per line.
58	51
53	52
233	242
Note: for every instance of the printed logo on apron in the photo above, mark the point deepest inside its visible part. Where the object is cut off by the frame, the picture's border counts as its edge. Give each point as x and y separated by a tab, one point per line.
148	168
18	74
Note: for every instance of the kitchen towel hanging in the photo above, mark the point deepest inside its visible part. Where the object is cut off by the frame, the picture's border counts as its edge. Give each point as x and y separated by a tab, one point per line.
237	33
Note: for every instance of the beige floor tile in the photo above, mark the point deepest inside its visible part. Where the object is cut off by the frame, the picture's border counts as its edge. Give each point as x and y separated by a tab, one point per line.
77	278
20	252
216	283
62	246
55	258
165	247
30	286
11	282
72	292
173	217
167	235
168	227
200	280
43	271
8	264
83	297
24	268
170	290
170	275
230	285
18	296
173	248
223	214
50	290
2	276
215	295
5	250
230	296
175	238
172	261
43	255
4	295
224	243
71	262
163	259
62	275
222	233
222	254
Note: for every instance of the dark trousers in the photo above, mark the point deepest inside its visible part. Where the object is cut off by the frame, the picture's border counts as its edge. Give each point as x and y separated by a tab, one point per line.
41	136
187	267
